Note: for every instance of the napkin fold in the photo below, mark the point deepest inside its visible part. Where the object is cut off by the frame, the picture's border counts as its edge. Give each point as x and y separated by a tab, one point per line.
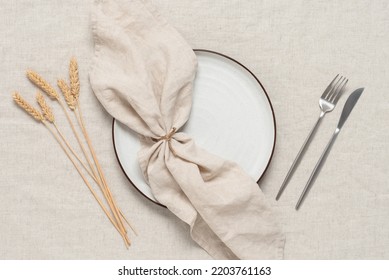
142	73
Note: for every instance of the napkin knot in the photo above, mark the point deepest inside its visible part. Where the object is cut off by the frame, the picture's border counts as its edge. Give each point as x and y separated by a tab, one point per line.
169	135
167	138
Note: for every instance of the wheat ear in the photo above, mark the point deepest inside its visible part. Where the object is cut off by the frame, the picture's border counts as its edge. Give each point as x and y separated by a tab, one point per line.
74	79
27	107
65	89
46	110
37	80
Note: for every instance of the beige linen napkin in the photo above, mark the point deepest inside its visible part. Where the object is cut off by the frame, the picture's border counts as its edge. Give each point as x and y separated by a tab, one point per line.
143	74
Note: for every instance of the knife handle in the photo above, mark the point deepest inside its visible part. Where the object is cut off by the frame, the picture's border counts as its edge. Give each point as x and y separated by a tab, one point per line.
317	168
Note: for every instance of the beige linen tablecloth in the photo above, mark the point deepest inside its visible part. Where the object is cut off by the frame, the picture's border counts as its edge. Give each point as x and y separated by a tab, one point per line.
294	48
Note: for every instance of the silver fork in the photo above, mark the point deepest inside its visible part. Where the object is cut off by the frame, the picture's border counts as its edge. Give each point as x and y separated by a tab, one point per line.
327	103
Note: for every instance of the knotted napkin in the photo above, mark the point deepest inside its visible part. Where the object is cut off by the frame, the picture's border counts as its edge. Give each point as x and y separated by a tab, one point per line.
142	73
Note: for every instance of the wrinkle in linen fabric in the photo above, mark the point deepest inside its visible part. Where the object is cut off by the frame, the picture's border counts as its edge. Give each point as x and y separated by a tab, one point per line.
143	74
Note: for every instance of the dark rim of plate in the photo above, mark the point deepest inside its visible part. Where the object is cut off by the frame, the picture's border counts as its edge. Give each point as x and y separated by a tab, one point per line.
268	99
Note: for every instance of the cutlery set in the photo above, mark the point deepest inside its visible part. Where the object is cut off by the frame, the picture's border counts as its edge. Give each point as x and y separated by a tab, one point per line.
327	103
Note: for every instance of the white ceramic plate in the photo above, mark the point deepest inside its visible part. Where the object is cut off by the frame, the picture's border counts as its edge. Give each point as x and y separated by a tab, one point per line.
231	117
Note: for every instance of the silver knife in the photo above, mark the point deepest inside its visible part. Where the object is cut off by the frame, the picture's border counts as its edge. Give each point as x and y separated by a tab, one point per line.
348	107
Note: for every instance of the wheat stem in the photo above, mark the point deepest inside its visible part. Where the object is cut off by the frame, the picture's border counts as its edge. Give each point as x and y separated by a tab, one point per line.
101	174
94	174
104	191
103	187
77	137
126	241
73	152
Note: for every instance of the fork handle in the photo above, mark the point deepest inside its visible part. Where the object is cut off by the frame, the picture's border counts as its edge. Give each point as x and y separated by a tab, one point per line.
317	168
300	155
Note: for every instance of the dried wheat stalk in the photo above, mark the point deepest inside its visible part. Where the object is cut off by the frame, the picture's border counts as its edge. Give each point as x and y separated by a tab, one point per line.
48	115
71	95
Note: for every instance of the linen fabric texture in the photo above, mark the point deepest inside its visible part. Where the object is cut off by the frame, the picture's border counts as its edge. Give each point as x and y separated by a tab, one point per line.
142	73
